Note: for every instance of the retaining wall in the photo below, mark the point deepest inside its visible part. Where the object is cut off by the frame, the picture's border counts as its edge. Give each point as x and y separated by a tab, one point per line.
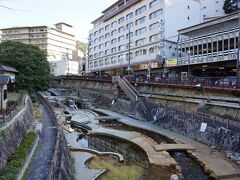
12	134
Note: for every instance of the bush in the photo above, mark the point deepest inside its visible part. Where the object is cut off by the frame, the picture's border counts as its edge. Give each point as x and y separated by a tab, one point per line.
17	159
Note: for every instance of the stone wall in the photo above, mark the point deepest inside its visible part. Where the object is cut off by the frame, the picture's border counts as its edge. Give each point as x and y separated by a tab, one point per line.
218	133
174	96
12	135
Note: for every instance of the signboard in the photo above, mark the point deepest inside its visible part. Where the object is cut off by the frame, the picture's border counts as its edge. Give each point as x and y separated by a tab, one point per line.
203	127
171	62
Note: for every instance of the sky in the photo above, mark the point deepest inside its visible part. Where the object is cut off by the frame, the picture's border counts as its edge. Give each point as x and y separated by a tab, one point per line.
79	13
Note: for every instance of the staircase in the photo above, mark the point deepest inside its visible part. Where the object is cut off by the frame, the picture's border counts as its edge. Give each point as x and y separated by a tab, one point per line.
131	93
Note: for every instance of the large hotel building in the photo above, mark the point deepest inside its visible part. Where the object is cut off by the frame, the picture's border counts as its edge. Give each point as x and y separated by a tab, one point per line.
143	24
59	43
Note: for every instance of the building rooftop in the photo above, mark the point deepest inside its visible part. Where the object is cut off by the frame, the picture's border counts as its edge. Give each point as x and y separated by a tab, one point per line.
8	69
120	9
210	23
64	24
21	27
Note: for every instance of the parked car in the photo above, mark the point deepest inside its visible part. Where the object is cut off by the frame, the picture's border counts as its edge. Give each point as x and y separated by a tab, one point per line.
230	81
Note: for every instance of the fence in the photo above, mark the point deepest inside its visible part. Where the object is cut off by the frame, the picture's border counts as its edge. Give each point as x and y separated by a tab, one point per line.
227	83
11	108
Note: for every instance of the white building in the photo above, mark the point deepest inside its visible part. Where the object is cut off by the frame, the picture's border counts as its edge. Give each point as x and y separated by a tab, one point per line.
64	67
212	9
109	39
57	41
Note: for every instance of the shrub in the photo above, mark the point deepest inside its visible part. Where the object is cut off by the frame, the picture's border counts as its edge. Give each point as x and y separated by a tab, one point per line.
17	159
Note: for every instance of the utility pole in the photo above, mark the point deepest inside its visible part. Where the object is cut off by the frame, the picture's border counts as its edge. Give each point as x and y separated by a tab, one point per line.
129	50
238	54
238	60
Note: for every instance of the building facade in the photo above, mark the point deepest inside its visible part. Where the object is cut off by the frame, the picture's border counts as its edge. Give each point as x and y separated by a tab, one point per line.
212	9
128	33
210	48
57	42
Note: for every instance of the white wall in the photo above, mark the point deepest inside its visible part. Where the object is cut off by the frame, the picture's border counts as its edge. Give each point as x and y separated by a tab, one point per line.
180	14
212	8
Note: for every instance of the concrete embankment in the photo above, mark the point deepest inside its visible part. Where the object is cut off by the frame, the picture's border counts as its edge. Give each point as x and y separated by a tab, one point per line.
12	133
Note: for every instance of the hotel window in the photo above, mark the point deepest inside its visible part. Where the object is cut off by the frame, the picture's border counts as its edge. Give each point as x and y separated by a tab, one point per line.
121	48
140	42
90	57
120	58
96	55
129	16
129	25
100	46
154	26
140	31
101	38
114	60
121	38
113	41
95	63
107	61
107	52
95	40
95	33
131	35
114	24
95	48
101	63
154	38
107	27
90	36
113	50
107	43
101	30
101	54
121	20
107	35
137	53
91	65
121	29
114	32
140	10
155	3
151	50
155	14
140	20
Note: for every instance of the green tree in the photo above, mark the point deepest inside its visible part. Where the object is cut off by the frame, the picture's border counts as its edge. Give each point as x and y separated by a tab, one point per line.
30	61
230	6
81	46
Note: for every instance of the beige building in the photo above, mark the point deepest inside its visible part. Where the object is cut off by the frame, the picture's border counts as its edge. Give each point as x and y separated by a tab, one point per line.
57	41
142	23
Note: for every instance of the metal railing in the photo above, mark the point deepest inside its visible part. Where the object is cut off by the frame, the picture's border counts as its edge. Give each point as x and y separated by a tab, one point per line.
224	83
212	82
131	92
